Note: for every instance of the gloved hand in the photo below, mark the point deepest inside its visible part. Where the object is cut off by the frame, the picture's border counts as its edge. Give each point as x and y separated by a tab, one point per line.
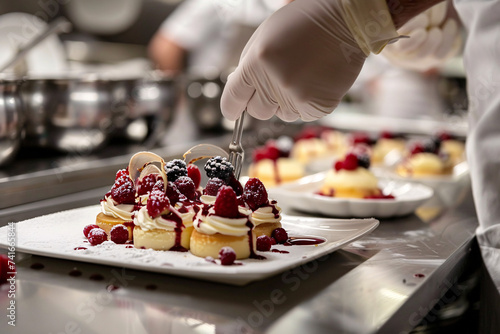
302	60
434	38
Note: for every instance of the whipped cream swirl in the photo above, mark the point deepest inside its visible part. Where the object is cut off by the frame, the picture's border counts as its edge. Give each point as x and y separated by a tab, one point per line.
110	208
211	223
265	214
146	222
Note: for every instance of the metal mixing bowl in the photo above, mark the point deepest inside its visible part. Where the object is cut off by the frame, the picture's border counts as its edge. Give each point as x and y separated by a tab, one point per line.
144	107
11	119
68	114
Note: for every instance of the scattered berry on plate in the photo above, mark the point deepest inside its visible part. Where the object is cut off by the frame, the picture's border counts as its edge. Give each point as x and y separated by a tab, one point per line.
279	234
97	236
88	228
264	243
227	256
119	234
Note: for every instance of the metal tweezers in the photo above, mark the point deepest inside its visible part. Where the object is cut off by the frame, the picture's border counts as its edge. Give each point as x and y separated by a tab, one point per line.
236	153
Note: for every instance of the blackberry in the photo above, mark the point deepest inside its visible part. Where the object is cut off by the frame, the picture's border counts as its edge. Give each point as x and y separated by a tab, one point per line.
219	167
364	161
175	169
431	146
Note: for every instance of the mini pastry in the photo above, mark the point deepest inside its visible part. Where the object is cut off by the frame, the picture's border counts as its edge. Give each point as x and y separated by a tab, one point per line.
425	159
452	146
336	142
159	225
352	178
272	165
306	150
387	143
266	214
223	224
118	204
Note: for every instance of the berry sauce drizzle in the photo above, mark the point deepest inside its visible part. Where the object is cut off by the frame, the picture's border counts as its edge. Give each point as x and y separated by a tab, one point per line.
279	251
179	226
303	241
80	248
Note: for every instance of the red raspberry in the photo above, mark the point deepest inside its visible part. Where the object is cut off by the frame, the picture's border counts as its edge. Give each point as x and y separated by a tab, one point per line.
259	153
119	234
279	234
338	165
186	186
417	148
194	174
122	173
307	133
6	267
157	201
273	241
97	236
213	186
361	138
226	203
444	136
236	185
273	152
255	194
227	256
350	162
88	228
264	243
123	191
173	193
146	184
387	135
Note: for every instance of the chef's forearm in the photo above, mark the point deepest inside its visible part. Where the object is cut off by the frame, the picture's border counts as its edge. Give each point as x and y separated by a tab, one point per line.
403	10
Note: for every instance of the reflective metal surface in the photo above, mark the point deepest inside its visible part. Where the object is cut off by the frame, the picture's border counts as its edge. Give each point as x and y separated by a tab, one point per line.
11	120
72	115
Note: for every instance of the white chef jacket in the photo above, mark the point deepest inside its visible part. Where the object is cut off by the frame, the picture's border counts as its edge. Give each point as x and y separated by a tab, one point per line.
205	28
481	19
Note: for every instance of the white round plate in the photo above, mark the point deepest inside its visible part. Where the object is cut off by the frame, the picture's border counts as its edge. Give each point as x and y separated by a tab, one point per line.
301	195
16	29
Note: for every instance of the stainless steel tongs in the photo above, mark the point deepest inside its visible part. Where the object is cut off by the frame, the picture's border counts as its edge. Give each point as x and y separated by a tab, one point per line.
236	153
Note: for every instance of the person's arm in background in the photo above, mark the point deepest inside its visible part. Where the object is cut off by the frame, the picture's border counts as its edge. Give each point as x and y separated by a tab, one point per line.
302	60
167	54
183	31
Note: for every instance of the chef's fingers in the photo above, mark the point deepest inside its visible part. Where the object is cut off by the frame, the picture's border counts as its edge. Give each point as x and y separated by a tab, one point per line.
261	106
287	116
450	30
431	43
418	22
408	45
437	14
236	95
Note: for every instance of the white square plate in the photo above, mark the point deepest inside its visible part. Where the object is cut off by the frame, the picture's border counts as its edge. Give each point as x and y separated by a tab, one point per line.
57	235
301	195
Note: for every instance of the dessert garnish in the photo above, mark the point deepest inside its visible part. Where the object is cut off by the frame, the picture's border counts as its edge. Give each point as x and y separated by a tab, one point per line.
227	256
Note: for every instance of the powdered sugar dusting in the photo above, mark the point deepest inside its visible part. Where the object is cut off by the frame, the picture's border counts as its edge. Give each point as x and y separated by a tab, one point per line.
57	235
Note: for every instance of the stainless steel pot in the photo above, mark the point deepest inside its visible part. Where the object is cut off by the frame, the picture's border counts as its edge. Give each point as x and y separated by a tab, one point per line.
68	114
11	119
144	107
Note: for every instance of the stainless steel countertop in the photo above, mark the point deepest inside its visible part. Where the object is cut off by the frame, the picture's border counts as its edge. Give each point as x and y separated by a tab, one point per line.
385	282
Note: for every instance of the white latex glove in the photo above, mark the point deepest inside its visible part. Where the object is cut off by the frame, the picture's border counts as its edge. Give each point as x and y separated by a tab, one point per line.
434	38
302	60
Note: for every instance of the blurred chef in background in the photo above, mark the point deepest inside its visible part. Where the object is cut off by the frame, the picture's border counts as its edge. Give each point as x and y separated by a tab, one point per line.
304	58
208	36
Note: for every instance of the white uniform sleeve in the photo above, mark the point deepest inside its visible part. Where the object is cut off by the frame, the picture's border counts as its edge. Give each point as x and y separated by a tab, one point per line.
191	23
482	64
